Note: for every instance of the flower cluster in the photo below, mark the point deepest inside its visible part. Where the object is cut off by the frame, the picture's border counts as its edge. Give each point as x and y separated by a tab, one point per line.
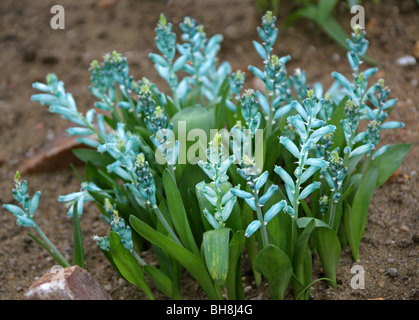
113	69
146	185
250	110
23	214
216	169
310	131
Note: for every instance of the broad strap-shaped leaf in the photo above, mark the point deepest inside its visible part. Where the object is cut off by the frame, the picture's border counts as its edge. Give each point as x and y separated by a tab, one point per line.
177	212
78	251
356	218
216	251
276	267
127	265
329	249
390	161
303	222
97	158
189	260
162	282
338	114
234	283
300	249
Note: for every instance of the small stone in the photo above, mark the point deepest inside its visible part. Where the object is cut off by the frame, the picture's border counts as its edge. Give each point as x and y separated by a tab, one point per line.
406	61
107	287
335	57
392	272
247	289
381	270
71	283
404	228
391	260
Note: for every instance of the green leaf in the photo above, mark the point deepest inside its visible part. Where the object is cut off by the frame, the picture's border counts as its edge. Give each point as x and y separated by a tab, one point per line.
277	227
251	249
220	108
353	163
390	161
128	265
78	254
339	135
196	117
216	251
328	248
356	217
308	11
171	107
234	283
177	212
300	249
162	282
303	222
95	157
276	267
324	9
192	262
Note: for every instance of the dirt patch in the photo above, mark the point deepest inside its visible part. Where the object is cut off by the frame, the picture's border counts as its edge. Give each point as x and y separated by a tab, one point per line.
31	49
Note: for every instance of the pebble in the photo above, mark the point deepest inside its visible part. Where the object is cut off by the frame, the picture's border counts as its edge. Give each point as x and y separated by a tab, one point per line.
392	272
404	228
406	61
391	260
247	289
335	57
107	287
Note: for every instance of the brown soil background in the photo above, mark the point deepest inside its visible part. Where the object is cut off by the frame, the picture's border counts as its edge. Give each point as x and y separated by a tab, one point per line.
30	49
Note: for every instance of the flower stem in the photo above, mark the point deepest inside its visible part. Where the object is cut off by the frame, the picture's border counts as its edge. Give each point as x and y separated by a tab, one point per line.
138	258
166	225
63	260
263	230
